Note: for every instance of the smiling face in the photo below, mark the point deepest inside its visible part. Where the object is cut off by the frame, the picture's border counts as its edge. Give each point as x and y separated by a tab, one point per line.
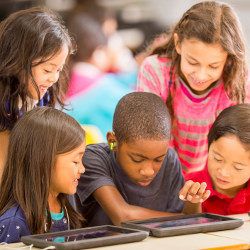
201	64
228	165
47	73
142	159
67	171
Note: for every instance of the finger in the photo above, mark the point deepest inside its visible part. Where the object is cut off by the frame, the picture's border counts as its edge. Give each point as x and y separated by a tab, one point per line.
205	195
184	191
202	188
194	190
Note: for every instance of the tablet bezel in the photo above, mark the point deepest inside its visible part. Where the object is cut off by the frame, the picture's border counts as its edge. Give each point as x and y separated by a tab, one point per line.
225	223
130	235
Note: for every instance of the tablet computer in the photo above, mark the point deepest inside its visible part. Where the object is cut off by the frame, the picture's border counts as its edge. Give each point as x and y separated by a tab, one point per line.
184	224
86	237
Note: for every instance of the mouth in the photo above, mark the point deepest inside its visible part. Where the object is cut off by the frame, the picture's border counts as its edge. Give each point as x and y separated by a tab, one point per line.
75	181
198	83
221	181
144	182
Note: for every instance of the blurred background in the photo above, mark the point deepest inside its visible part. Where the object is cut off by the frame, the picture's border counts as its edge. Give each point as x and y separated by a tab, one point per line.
138	21
111	36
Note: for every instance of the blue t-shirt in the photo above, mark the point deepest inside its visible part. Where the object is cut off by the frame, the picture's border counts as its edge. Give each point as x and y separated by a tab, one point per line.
44	102
13	224
103	170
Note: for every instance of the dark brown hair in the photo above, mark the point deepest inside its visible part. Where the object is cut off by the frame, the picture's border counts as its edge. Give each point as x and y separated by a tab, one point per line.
88	36
210	22
25	36
234	120
35	140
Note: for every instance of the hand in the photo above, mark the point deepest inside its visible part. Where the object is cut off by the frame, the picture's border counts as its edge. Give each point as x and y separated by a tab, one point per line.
194	192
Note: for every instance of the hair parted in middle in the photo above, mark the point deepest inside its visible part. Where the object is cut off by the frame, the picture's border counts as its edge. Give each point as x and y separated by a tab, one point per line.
36	139
141	115
210	22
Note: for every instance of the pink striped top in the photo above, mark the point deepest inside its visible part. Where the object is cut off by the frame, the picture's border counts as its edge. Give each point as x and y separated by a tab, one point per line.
194	114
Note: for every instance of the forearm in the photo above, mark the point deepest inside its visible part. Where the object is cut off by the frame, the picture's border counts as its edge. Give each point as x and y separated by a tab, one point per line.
191	208
141	213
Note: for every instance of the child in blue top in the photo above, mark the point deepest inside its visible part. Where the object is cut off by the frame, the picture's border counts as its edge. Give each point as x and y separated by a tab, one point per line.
43	167
34	45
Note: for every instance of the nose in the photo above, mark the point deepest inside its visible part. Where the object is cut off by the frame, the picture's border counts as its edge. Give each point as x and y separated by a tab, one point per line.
147	171
53	77
81	169
224	171
202	74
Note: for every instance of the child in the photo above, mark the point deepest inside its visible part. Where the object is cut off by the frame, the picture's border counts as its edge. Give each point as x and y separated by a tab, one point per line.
198	72
135	175
43	166
228	167
89	84
34	46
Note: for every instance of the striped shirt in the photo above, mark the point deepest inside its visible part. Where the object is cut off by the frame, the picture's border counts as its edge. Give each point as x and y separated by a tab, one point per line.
194	114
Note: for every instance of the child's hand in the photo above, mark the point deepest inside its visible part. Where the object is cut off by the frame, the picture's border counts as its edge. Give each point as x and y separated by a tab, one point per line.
194	192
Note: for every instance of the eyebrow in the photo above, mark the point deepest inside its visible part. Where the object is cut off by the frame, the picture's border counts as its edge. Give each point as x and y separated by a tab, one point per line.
55	65
190	57
218	153
142	156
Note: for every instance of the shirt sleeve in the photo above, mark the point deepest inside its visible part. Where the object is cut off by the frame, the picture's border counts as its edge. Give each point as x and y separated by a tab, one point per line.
175	205
151	77
98	172
12	229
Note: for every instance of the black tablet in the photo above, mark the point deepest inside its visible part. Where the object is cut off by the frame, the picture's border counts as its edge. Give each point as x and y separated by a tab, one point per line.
184	224
86	237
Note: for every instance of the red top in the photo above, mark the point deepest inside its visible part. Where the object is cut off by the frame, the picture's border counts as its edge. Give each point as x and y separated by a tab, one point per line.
218	203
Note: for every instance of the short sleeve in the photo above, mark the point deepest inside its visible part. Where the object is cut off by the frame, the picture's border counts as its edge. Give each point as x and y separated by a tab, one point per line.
175	205
98	172
151	77
12	229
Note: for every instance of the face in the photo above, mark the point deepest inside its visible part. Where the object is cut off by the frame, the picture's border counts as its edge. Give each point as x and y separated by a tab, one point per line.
228	165
201	64
67	171
142	159
47	73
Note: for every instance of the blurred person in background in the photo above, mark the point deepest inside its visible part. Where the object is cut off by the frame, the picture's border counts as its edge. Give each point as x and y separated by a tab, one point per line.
94	93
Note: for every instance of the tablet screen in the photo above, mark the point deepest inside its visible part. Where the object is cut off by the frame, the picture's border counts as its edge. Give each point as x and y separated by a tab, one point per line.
82	236
180	222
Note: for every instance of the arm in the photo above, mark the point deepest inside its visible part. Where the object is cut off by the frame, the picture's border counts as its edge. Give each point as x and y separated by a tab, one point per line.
119	210
4	139
193	193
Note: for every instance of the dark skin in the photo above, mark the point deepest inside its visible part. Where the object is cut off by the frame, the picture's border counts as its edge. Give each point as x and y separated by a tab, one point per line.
140	160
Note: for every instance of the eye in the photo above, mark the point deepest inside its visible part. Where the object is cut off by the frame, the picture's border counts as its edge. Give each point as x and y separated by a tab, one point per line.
192	63
136	161
159	160
238	168
47	71
75	162
213	67
216	159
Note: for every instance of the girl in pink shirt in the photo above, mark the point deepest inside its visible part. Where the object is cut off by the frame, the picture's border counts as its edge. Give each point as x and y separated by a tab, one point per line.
199	71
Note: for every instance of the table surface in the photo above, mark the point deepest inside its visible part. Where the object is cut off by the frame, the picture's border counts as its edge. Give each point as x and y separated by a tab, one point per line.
238	238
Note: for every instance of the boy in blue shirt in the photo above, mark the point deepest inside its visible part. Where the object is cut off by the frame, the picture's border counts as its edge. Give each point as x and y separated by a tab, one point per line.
135	175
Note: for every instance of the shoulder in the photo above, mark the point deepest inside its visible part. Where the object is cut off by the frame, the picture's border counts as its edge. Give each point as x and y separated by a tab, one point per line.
13	225
155	61
172	158
101	149
198	176
97	156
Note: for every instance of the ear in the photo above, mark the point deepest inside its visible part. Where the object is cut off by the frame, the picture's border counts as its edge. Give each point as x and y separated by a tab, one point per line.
177	44
112	139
